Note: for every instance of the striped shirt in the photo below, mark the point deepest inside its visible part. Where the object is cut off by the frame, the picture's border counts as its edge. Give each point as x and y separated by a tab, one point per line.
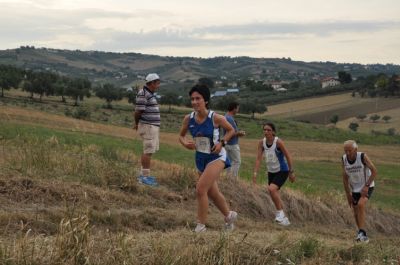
147	102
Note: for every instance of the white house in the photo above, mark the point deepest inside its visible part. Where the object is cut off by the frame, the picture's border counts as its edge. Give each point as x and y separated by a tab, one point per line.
329	82
232	90
219	93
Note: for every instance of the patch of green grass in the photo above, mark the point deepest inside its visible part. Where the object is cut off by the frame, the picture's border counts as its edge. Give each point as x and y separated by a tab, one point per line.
319	177
313	177
122	115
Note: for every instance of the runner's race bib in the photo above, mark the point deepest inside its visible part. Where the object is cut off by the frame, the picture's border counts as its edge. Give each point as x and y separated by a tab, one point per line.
271	157
203	145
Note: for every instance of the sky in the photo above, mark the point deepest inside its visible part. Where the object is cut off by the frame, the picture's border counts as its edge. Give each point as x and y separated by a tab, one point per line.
344	31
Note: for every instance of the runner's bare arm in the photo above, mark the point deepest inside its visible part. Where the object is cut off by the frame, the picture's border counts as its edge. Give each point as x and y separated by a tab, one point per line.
260	150
182	134
346	187
220	121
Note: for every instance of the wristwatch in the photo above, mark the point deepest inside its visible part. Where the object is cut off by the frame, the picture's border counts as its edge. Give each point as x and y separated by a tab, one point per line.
223	142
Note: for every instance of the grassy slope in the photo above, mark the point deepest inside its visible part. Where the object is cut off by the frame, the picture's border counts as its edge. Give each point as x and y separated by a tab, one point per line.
314	177
71	197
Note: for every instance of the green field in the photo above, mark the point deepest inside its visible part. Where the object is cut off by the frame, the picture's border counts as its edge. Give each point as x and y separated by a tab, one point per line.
313	177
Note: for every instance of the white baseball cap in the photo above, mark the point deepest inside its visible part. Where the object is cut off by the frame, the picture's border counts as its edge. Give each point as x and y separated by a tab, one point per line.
152	77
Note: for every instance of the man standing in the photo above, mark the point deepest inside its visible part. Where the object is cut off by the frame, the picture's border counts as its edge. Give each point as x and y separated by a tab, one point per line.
358	179
147	123
232	146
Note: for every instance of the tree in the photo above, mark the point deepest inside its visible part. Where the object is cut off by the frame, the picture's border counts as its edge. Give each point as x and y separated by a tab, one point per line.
9	77
252	107
393	86
391	131
61	87
206	81
131	93
361	117
222	103
110	93
353	126
170	98
78	88
344	77
374	117
386	118
41	83
334	119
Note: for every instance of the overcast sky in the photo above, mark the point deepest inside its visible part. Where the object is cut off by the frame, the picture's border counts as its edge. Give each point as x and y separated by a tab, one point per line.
361	31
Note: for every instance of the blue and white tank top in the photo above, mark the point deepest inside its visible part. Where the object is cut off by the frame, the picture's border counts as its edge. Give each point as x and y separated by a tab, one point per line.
205	134
274	158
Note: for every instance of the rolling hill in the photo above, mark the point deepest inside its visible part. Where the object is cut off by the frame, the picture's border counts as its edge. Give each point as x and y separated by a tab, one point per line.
127	68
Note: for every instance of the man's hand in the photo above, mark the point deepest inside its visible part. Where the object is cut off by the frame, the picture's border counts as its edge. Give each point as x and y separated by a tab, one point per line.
241	133
135	127
364	191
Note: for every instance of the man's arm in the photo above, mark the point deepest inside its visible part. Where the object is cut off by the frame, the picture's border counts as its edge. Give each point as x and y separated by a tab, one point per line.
137	114
374	172
347	187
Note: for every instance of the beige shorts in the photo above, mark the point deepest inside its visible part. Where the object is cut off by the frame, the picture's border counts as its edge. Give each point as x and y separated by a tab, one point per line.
150	135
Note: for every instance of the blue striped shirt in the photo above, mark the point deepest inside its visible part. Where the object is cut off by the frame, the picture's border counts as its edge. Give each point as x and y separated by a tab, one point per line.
147	102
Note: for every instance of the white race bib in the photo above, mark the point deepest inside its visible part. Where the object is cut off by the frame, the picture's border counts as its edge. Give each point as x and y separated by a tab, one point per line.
203	144
271	157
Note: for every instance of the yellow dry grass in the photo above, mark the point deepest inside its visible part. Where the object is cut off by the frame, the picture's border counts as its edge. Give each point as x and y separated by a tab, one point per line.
306	106
333	103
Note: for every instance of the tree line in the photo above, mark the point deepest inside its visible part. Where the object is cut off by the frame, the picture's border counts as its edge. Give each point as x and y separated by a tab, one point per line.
50	84
380	85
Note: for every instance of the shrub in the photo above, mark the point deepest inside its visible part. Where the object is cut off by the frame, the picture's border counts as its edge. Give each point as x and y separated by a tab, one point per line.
81	113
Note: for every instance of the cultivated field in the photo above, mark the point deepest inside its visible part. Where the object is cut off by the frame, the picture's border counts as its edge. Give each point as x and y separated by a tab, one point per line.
321	109
367	125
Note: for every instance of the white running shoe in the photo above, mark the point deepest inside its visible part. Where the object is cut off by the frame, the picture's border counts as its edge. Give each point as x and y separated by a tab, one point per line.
282	221
230	219
200	228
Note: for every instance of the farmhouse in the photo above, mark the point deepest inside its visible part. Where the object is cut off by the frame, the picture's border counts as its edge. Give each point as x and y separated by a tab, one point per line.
329	82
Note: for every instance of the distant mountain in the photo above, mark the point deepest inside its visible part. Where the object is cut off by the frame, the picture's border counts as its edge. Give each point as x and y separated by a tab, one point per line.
127	68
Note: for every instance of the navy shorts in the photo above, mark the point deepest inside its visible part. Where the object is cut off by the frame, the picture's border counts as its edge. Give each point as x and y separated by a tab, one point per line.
202	160
357	195
278	178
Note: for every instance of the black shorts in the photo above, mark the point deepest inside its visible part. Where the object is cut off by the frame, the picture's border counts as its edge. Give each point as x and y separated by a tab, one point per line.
357	195
278	178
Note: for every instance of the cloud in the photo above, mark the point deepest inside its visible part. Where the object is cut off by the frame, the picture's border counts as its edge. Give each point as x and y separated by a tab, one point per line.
240	34
165	32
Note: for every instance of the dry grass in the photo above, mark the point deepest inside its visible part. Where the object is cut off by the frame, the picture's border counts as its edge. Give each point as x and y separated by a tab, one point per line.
321	109
68	205
310	105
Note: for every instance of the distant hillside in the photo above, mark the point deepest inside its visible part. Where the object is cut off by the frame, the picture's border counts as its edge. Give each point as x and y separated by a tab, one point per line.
128	68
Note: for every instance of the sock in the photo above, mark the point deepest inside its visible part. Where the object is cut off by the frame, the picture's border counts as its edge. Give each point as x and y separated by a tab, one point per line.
280	214
145	172
363	232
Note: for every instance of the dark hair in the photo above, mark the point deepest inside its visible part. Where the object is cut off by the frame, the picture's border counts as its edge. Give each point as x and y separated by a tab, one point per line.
203	91
232	106
270	124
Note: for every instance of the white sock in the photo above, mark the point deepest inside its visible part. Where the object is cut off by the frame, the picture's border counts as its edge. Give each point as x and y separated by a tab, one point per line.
145	172
280	214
